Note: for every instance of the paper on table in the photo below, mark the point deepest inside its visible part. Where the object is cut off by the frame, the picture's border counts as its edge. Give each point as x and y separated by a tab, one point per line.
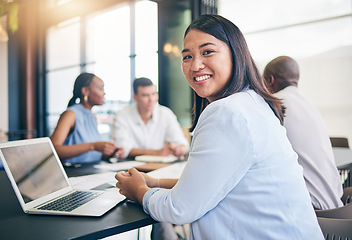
119	165
93	180
151	158
173	171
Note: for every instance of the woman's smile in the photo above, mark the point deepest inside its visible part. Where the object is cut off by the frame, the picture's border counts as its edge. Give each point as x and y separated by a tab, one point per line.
202	79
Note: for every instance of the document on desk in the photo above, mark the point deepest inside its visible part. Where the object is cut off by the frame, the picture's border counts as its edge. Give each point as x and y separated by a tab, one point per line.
96	180
152	158
107	179
119	165
173	171
93	180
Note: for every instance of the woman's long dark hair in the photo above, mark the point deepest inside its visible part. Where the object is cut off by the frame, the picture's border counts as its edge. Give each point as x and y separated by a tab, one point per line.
83	80
245	74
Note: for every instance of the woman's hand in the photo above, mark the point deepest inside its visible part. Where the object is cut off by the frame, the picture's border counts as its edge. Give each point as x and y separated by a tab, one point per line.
159	183
151	182
132	184
106	148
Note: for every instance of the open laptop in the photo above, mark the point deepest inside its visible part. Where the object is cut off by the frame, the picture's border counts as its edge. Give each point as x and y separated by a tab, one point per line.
42	186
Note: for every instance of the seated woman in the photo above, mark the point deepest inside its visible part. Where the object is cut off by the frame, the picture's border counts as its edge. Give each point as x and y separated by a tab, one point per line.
242	179
76	137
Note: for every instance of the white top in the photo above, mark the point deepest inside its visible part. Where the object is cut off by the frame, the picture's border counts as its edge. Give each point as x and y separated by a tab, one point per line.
241	180
129	131
309	137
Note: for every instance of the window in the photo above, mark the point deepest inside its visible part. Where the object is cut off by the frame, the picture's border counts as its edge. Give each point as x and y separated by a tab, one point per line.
118	45
318	34
63	64
147	41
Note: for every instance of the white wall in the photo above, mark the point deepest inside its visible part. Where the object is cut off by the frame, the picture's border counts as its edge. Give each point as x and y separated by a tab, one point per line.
4	105
318	35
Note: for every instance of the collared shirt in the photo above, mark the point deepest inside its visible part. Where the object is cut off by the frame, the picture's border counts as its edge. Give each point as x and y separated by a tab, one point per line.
242	179
129	130
85	130
309	137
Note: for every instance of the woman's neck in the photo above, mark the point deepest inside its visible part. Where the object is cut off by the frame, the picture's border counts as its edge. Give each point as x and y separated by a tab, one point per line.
87	105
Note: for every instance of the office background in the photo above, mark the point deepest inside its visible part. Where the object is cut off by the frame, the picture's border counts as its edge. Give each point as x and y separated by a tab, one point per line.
119	40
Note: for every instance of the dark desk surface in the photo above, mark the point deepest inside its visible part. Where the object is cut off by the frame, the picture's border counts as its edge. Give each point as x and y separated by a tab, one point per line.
15	224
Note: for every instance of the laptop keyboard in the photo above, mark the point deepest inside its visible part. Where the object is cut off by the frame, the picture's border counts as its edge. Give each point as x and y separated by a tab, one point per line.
70	202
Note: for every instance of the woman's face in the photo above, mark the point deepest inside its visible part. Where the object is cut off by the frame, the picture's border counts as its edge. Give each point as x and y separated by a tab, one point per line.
96	92
206	64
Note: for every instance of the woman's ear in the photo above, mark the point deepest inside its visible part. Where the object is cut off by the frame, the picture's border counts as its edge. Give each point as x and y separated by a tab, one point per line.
85	91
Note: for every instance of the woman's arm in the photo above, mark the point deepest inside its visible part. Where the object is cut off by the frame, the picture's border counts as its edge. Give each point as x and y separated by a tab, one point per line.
160	183
64	126
221	155
134	184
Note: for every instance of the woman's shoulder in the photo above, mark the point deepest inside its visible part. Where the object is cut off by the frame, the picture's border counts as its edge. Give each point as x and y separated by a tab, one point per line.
236	102
81	113
240	106
75	108
228	107
79	109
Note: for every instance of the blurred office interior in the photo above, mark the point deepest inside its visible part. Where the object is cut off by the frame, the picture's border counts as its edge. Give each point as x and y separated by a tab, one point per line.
120	40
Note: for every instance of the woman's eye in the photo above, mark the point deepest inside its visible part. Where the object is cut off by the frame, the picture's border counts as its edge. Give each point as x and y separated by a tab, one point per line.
207	52
186	57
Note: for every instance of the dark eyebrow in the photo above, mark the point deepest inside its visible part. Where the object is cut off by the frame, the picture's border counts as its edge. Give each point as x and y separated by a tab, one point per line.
201	46
206	44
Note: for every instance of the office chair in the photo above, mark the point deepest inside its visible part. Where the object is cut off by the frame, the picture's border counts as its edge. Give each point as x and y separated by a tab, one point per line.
336	228
344	171
347	195
344	212
345	175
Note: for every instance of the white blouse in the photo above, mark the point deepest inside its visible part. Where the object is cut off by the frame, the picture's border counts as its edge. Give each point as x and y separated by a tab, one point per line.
241	180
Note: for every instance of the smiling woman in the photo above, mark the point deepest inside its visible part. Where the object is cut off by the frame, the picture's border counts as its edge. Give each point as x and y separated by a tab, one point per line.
238	143
231	60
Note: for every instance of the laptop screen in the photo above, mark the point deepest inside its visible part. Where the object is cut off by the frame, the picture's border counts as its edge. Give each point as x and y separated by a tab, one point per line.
35	170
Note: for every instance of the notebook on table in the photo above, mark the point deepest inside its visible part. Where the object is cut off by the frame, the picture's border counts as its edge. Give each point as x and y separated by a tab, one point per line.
160	159
42	186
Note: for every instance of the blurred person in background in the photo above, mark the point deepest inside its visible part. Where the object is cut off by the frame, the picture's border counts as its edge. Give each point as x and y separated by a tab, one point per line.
147	128
306	130
76	137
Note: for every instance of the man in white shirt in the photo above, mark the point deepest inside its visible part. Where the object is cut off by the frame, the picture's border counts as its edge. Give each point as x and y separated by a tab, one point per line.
307	133
147	128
